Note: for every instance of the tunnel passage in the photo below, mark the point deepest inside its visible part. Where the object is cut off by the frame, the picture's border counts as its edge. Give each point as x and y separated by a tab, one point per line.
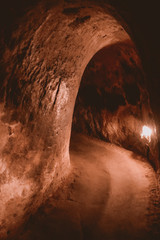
44	53
113	102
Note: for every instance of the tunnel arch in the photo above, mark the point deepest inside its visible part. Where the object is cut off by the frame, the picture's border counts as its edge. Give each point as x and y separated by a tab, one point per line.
113	102
44	56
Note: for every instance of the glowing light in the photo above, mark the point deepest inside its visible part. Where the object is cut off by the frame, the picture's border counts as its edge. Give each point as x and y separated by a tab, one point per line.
146	133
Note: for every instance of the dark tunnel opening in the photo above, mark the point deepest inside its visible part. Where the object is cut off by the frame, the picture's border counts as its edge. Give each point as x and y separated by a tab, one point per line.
113	101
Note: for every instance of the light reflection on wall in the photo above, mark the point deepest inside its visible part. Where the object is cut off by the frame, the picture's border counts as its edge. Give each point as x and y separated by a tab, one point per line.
146	133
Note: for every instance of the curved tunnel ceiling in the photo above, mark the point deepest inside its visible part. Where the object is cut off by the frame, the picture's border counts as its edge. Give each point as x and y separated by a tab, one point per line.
43	59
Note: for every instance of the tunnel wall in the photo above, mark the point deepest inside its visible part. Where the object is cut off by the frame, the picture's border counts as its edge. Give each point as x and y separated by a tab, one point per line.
43	55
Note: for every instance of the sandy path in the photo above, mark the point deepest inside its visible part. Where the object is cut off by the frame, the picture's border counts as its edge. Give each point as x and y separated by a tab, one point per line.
107	197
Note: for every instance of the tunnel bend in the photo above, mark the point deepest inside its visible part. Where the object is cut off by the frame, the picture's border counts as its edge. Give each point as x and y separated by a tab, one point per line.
113	102
44	56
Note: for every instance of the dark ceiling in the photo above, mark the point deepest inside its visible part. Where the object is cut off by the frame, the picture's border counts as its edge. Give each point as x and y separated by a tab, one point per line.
143	18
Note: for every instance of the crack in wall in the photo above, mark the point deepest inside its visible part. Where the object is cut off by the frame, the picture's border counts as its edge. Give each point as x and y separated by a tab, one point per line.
59	83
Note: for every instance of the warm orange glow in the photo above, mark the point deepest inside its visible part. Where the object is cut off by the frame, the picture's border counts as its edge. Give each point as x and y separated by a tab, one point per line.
146	133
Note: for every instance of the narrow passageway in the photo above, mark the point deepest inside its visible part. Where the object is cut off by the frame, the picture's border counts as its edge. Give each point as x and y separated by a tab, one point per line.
107	196
76	66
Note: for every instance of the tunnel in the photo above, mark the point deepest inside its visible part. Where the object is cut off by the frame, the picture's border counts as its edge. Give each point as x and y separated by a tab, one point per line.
74	98
113	102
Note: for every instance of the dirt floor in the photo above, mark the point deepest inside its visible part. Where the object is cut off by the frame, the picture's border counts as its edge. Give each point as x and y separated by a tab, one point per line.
110	194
